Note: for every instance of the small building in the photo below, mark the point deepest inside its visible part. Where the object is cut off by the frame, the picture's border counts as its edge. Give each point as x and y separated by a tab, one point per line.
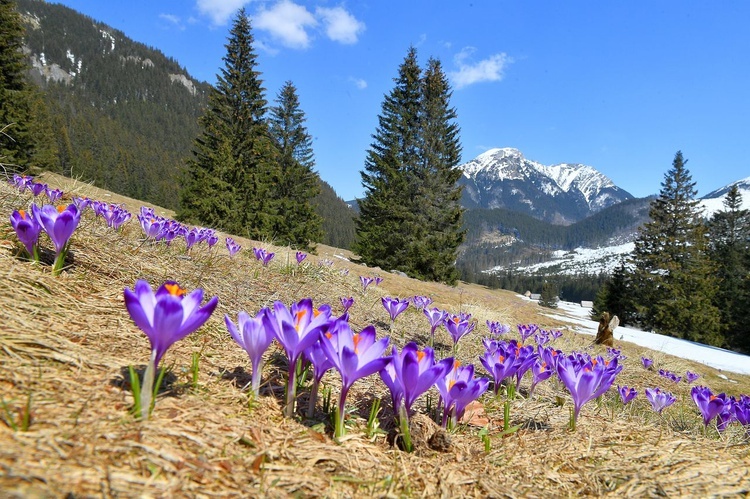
587	304
535	296
527	294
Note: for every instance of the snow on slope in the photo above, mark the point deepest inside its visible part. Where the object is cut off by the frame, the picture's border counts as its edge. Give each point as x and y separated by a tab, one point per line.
579	261
718	358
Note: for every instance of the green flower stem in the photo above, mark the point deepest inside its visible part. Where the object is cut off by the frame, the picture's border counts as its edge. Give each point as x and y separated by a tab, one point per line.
403	420
147	388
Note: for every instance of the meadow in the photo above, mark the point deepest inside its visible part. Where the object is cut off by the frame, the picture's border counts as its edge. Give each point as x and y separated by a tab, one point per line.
67	342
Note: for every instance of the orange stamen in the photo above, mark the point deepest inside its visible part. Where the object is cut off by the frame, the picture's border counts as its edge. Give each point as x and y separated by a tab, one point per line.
420	355
22	213
456	364
356	339
60	208
175	289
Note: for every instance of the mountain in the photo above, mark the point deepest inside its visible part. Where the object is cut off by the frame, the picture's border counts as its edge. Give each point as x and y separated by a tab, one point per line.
714	200
561	194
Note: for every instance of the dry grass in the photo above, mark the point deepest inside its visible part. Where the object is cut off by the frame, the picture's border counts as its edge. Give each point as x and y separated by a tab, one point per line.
65	342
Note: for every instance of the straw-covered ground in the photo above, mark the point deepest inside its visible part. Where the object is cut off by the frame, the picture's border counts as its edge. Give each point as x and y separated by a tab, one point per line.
66	343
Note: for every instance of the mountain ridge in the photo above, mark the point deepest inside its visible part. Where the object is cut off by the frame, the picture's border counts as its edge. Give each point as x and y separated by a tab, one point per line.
562	193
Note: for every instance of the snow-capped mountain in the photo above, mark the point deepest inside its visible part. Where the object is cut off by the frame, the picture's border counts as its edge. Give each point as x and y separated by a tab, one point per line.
562	194
714	200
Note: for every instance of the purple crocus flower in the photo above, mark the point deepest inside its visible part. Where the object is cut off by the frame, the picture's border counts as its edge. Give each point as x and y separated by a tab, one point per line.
458	389
82	202
251	334
212	239
497	328
709	405
366	281
37	188
741	409
192	237
526	331
59	224
659	400
690	377
232	247
378	280
166	316
500	363
259	253
647	363
354	356
540	371
27	229
53	194
415	371
296	329
267	257
458	327
394	306
586	379
421	302
347	302
300	256
626	393
525	359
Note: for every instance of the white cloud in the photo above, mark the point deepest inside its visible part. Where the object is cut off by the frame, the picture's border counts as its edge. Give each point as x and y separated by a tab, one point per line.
340	25
219	10
287	22
359	83
490	69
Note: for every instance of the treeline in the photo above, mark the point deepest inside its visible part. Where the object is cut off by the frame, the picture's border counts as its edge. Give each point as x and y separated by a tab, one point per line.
595	230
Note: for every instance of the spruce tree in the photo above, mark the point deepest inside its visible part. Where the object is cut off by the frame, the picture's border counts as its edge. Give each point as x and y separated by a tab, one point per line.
384	224
230	180
410	217
729	248
435	194
673	278
298	183
616	296
548	297
26	137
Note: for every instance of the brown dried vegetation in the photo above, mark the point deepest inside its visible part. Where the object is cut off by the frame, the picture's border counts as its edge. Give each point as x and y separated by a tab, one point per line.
66	341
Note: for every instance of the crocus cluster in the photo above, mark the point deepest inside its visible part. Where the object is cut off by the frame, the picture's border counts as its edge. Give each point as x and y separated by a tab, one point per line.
158	228
670	375
421	302
58	222
497	328
26	183
457	390
586	378
659	400
263	256
113	214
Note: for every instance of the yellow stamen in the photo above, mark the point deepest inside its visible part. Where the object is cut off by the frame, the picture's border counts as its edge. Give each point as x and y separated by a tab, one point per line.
451	383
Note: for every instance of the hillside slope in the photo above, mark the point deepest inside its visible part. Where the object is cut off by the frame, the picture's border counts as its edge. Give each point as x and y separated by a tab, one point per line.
67	341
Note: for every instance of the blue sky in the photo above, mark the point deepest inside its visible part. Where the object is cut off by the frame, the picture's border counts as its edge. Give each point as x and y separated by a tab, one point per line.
620	86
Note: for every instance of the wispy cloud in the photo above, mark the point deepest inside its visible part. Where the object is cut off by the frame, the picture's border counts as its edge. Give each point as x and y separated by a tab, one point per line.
468	73
340	25
173	20
287	22
219	11
358	82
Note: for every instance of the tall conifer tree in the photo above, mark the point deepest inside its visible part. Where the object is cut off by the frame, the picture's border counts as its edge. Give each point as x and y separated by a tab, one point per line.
383	226
673	277
729	236
410	218
435	193
230	179
298	183
26	139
